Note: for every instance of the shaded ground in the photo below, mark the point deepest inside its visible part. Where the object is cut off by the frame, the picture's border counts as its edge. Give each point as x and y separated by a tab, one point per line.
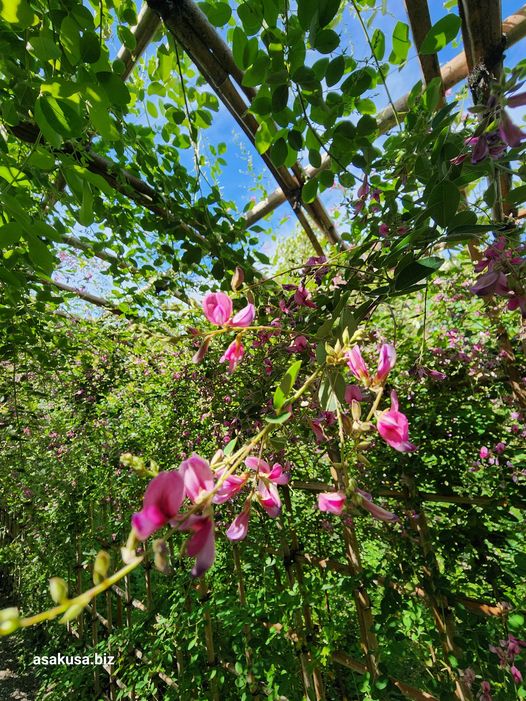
14	684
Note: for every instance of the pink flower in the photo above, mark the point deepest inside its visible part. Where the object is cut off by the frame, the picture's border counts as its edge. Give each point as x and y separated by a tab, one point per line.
244	317
484	452
203	350
198	477
357	364
238	529
363	190
162	500
393	427
500	448
201	543
217	307
491	283
299	345
383	230
333	502
386	363
317	428
375	510
510	132
516	675
353	392
267	492
302	297
230	487
233	355
485	692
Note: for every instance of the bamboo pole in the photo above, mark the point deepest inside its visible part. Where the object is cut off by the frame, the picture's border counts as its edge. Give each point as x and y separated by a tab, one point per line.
420	21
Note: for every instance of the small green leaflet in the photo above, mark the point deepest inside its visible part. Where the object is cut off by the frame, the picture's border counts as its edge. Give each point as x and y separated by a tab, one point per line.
284	387
278	419
440	34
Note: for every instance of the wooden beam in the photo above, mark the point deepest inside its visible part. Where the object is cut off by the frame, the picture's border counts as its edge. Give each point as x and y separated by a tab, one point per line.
420	21
147	25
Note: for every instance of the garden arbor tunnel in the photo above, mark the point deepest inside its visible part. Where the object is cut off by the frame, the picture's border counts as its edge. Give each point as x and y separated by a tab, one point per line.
78	154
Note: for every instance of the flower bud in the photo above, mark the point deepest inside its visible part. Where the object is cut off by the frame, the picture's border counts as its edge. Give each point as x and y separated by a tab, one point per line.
58	590
237	278
203	350
217	457
9	620
160	550
356	410
249	296
101	567
75	610
347	424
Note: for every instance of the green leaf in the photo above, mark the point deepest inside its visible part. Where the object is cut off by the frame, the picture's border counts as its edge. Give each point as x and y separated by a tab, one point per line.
440	34
278	419
85	215
357	83
517	195
327	11
263	137
90	47
229	448
443	202
127	37
286	384
416	270
335	71
70	39
401	44
10	234
307	9
326	41
378	44
17	12
49	133
280	97
44	46
251	16
309	190
366	125
115	88
218	13
39	253
278	152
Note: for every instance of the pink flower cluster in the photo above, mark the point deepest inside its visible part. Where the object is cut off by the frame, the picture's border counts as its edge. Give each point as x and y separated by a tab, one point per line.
357	366
219	310
203	486
505	269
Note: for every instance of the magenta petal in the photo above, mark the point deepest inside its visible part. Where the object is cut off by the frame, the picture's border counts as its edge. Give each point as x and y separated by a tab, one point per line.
268	497
238	529
258	465
386	362
147	521
198	477
165	492
277	475
510	132
244	317
357	364
201	544
333	502
377	511
217	307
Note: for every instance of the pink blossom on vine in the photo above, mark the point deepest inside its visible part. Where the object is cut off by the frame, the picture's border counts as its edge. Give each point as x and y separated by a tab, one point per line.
357	364
317	428
484	452
393	427
198	477
386	363
518	302
217	307
485	692
509	132
364	189
515	674
332	502
383	230
201	543
267	491
376	511
500	448
230	487
238	529
161	502
244	317
493	282
233	355
298	345
303	297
